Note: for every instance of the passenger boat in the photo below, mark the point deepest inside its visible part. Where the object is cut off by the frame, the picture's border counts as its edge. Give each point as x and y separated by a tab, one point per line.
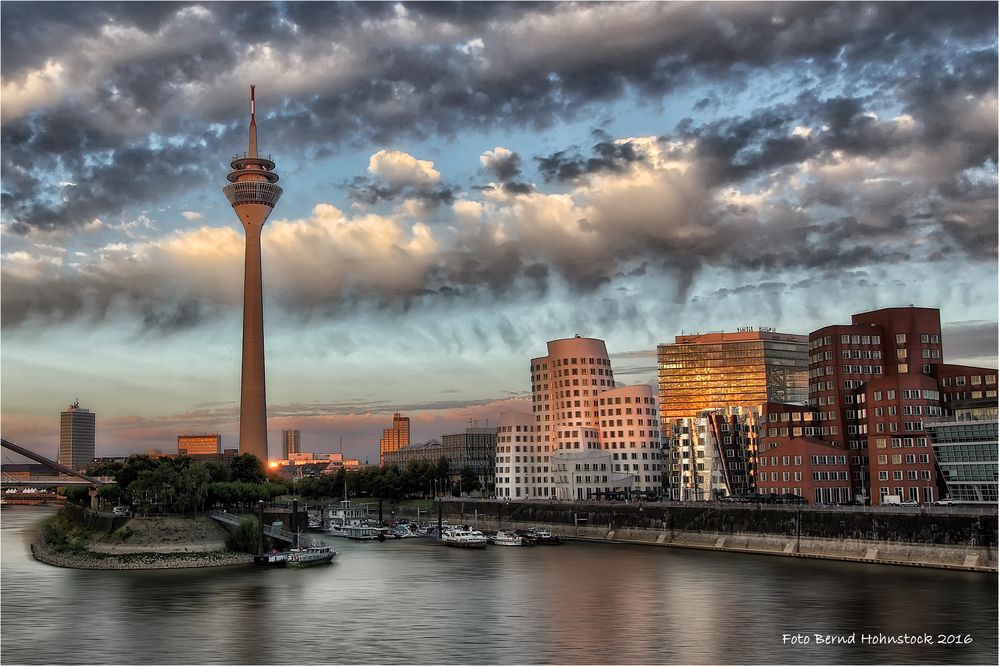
459	537
508	538
272	560
312	556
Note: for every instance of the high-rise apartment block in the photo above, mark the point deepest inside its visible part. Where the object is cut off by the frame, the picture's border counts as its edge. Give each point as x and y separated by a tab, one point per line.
394	438
199	445
291	443
720	371
584	437
77	433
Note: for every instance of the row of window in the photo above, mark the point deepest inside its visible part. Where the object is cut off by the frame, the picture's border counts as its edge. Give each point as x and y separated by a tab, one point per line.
909	458
910	474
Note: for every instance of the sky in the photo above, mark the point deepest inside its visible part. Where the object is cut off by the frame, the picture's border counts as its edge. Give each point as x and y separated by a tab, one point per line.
462	183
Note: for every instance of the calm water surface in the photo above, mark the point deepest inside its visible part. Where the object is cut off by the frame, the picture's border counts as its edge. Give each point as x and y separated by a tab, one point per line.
413	601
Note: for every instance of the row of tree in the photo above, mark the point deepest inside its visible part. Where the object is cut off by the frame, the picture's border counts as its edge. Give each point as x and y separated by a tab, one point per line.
183	485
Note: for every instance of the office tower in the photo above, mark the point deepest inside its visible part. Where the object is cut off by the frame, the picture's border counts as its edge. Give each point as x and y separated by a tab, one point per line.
874	382
394	438
720	370
585	437
291	442
200	445
77	434
253	194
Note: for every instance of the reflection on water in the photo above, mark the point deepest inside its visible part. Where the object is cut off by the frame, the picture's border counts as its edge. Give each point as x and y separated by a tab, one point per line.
413	601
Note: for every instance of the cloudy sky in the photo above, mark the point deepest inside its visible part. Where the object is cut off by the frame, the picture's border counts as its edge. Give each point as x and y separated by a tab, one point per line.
463	182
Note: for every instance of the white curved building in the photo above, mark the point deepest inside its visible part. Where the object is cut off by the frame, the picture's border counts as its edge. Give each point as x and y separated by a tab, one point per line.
569	447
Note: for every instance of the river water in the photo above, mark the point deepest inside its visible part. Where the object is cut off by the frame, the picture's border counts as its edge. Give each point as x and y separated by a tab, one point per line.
414	601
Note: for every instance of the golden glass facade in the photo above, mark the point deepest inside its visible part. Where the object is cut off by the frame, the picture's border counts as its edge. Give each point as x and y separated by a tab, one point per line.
191	445
394	438
718	371
731	369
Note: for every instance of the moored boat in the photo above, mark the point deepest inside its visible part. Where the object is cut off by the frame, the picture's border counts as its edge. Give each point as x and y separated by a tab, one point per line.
272	560
312	556
543	536
508	538
462	538
366	532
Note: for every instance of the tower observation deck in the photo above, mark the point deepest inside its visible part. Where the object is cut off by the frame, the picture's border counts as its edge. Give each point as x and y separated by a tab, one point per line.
253	194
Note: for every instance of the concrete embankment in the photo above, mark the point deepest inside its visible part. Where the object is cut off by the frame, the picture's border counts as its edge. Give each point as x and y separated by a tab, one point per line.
948	541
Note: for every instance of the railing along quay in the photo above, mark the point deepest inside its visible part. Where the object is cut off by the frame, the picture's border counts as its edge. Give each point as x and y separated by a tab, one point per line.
271	531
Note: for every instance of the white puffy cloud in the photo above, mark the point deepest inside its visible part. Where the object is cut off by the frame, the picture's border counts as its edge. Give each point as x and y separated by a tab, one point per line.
191	215
399	168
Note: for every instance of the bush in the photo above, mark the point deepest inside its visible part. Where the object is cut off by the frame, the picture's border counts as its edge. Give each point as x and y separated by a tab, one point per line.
243	539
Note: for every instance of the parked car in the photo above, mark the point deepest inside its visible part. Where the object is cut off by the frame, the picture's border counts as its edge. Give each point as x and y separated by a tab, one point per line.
909	503
946	502
120	512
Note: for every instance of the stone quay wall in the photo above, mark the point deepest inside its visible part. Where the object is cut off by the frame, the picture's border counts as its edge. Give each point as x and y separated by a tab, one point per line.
933	539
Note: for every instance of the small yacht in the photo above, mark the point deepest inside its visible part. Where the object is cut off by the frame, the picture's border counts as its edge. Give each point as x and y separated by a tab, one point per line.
508	538
460	537
366	532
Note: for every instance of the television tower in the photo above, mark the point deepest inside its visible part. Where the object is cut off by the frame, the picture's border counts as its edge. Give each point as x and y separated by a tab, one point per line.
252	193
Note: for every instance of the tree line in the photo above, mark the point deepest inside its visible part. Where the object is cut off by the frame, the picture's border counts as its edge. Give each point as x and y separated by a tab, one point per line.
183	485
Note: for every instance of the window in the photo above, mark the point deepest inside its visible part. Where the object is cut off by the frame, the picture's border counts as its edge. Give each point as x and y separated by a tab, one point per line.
900	338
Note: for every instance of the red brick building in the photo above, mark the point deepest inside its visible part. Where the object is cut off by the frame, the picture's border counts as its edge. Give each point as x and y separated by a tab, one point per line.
815	470
872	383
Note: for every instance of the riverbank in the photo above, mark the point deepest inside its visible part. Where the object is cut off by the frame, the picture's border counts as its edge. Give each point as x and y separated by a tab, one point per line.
942	540
142	543
137	560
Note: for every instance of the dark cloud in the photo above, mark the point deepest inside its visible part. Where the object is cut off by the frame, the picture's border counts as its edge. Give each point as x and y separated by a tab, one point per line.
564	166
365	189
532	80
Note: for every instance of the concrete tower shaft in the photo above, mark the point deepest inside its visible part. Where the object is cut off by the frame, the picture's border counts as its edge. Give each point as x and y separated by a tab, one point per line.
253	194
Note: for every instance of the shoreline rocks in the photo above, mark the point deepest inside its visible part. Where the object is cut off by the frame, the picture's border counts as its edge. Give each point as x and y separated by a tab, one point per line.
138	561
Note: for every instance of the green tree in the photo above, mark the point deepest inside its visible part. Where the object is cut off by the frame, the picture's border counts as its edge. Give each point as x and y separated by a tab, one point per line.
469	480
248	467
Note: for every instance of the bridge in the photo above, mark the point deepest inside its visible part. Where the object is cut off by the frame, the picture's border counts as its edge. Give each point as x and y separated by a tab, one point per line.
232	520
88	481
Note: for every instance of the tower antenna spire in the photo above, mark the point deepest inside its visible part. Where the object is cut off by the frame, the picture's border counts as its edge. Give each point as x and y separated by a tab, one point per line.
252	152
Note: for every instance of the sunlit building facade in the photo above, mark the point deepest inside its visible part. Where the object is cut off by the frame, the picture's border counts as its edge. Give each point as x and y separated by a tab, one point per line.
291	443
394	438
718	371
77	434
199	445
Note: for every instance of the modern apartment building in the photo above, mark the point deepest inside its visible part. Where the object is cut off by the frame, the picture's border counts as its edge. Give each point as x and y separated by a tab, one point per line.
583	436
966	446
719	371
394	438
77	433
291	443
199	445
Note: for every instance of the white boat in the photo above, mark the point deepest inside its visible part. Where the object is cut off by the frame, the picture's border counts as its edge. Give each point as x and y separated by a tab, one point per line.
459	537
544	536
307	557
506	538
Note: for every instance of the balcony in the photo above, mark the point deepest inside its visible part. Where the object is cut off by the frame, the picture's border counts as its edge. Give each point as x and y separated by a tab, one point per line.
252	192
